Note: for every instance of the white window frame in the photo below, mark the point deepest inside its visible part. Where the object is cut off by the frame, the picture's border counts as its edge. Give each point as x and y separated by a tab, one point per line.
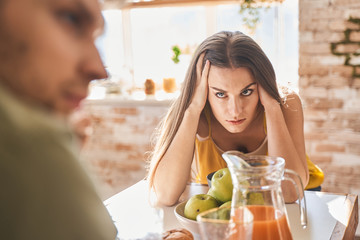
211	28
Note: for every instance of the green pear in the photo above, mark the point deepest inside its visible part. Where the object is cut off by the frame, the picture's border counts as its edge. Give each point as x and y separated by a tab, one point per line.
221	185
198	204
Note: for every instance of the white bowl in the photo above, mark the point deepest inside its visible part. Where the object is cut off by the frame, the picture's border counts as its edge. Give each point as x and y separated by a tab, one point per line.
191	225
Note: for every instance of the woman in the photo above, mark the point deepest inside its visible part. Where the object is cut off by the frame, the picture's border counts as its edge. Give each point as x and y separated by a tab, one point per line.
229	101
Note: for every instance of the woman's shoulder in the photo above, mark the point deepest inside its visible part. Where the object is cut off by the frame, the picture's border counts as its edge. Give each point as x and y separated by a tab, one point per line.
286	91
291	106
290	98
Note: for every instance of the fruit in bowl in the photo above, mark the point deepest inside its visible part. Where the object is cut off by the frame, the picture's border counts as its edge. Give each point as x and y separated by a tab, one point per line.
219	195
191	225
198	204
195	205
221	188
221	185
227	204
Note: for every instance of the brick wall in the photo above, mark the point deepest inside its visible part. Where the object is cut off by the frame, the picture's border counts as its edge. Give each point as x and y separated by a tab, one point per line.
330	89
115	154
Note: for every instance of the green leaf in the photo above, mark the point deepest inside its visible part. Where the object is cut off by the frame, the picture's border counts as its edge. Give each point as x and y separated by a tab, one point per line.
176	50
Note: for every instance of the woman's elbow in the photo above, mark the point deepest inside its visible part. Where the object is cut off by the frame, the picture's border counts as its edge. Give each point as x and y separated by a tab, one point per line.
166	194
166	198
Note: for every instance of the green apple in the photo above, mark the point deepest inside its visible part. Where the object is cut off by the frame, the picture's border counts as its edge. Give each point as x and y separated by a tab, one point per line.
254	198
199	203
221	185
227	204
223	213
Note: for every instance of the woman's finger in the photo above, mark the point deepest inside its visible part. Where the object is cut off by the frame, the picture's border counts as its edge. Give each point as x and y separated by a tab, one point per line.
205	72
200	95
199	66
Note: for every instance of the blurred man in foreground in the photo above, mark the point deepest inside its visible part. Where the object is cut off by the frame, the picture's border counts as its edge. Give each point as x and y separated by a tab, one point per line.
47	59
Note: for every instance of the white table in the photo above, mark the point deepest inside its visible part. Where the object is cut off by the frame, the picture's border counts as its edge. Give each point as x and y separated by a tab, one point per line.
330	216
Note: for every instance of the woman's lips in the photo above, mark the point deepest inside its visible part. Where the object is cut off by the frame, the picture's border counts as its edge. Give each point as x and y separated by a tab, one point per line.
236	122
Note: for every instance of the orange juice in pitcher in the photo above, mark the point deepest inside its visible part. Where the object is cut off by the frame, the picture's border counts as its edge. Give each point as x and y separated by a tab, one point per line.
269	223
257	186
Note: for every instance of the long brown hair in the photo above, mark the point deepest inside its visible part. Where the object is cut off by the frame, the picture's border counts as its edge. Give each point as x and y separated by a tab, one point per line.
226	50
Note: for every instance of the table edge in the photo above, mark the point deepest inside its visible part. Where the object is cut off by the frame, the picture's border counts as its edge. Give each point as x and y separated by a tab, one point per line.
348	232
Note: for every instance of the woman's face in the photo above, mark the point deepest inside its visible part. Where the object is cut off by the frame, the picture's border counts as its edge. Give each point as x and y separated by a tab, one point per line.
233	97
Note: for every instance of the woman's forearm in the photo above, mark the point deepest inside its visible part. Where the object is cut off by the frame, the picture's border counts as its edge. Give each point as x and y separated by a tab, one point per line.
286	144
173	171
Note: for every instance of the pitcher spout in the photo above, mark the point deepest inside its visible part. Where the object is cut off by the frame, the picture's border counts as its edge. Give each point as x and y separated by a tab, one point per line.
235	159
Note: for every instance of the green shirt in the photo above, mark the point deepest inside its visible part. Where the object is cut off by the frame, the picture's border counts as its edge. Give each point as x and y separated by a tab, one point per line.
44	192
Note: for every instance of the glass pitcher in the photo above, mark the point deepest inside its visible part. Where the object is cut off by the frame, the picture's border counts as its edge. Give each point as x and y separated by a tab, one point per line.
257	185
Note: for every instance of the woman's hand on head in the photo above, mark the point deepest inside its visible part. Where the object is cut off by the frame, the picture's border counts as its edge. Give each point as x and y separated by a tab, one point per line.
201	90
266	99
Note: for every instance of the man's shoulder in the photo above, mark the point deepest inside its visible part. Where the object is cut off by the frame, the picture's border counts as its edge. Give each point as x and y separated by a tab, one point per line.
30	135
18	119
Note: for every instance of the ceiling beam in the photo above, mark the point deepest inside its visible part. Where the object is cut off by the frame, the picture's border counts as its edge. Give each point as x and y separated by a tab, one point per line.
108	4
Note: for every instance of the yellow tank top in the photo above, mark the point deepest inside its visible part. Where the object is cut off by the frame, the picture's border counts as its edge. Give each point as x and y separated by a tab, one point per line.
208	159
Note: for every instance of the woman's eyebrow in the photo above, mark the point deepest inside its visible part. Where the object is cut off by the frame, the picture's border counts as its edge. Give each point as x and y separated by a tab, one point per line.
217	89
221	90
253	83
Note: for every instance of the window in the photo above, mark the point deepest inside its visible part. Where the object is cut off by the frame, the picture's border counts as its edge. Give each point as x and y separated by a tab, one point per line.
277	34
111	44
137	43
155	31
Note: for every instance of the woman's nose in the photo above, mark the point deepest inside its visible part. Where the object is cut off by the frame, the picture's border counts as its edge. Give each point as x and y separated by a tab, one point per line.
235	107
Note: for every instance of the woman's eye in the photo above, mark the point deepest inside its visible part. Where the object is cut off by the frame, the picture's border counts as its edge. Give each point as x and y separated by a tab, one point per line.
247	92
220	94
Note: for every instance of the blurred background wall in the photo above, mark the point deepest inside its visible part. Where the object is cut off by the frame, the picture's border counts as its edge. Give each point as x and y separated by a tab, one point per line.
329	85
117	150
329	69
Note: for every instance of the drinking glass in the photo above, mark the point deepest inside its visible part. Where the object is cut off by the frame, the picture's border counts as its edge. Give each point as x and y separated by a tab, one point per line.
226	223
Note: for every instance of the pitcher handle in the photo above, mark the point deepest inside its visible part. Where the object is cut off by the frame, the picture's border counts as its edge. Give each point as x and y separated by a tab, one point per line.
302	202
